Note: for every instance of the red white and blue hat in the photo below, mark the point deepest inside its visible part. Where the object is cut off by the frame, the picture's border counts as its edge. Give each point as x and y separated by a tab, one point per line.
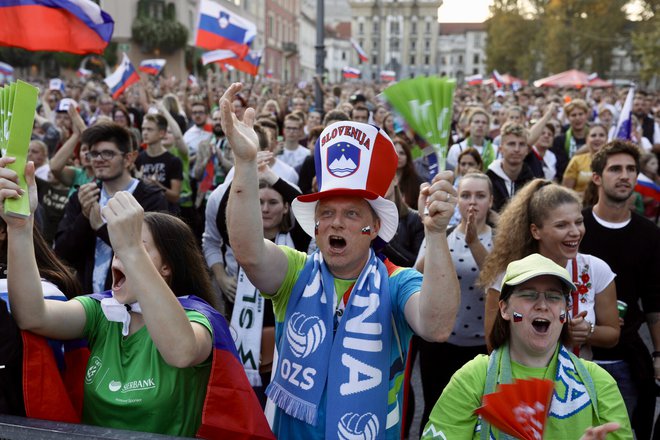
352	159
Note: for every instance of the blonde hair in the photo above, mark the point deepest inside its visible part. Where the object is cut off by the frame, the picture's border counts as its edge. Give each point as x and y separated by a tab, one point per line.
514	240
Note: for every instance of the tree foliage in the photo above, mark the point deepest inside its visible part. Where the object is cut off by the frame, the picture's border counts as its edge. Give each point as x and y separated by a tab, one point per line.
646	40
539	37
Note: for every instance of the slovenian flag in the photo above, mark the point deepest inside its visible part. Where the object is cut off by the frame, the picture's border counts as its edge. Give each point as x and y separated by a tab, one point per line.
350	72
499	80
83	73
361	53
474	80
387	75
122	78
224	58
647	187
220	28
6	69
153	66
624	123
74	26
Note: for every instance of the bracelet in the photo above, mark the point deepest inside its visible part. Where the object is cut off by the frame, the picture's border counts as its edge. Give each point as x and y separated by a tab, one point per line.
592	328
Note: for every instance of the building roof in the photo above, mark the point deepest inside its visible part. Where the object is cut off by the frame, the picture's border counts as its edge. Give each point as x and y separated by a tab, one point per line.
460	28
340	30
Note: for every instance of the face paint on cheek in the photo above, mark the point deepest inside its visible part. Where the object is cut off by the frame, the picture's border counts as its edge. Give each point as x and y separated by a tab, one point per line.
517	317
366	230
562	316
316	228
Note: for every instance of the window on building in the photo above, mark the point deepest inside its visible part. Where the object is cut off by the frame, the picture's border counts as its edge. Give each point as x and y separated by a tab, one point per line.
376	26
475	58
427	44
427	60
475	71
270	26
360	28
428	27
395	44
343	55
460	59
413	45
412	60
394	27
374	59
413	29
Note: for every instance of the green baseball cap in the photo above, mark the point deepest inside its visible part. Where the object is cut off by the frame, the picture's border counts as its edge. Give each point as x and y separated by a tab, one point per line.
534	265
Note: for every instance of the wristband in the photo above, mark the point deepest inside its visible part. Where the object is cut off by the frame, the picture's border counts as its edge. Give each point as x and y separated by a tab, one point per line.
592	328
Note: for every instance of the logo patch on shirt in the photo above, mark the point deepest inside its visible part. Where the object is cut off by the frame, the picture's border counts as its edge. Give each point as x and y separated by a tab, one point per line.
93	367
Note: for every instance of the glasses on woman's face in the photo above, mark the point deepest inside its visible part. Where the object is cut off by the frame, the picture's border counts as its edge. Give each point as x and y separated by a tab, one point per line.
551	296
103	154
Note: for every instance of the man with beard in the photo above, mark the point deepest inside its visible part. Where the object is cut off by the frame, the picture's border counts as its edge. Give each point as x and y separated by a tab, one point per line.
82	237
630	244
214	161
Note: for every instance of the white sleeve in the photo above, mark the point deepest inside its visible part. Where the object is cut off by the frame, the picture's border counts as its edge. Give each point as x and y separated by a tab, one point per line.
656	133
497	284
211	239
452	156
602	275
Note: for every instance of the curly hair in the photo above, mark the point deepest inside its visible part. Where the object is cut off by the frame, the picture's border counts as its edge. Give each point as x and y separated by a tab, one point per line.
514	240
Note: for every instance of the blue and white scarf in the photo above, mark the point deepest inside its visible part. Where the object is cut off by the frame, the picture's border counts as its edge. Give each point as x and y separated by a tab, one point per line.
359	360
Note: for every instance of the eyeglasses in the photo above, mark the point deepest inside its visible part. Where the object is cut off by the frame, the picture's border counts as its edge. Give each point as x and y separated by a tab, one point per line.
292	128
103	154
198	112
552	296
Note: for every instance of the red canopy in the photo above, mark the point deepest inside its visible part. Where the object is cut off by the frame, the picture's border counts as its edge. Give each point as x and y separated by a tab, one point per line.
572	78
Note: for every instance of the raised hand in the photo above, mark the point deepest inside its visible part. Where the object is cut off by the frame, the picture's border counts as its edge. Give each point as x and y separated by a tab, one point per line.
124	217
579	329
437	202
9	189
470	227
240	134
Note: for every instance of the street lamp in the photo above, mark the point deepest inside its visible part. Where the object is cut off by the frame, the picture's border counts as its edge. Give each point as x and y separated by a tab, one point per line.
320	55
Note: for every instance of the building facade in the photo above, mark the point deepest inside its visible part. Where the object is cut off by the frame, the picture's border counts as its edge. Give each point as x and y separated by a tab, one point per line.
462	50
398	35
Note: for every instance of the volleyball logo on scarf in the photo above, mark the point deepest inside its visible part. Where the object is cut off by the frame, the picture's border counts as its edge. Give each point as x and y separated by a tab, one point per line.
304	334
343	159
353	426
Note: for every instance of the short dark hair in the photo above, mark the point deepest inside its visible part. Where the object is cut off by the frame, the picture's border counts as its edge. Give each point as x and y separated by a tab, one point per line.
335	115
262	136
359	107
616	146
157	119
198	104
177	246
268	123
108	132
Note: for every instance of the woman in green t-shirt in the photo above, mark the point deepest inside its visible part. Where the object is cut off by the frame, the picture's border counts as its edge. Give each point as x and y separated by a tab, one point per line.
527	337
150	359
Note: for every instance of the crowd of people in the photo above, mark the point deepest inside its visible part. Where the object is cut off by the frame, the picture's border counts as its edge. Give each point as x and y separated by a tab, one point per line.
315	241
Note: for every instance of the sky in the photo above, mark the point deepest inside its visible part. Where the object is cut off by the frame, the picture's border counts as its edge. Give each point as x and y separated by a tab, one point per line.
476	11
463	11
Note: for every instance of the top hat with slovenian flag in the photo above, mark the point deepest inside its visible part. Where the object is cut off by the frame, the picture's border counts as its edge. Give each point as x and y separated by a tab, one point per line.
352	159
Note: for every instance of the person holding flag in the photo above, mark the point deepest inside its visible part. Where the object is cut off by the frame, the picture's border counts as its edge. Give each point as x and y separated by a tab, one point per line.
344	318
169	366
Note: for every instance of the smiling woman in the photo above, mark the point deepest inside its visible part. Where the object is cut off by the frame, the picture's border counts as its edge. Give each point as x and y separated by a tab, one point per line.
546	218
